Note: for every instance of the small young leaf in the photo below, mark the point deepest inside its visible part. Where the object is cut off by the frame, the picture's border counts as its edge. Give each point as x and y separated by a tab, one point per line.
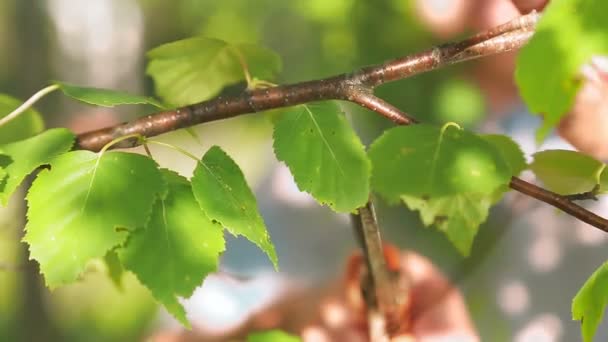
567	172
104	97
27	124
222	192
590	302
195	69
83	207
272	336
570	32
458	216
177	249
510	151
324	154
423	160
22	157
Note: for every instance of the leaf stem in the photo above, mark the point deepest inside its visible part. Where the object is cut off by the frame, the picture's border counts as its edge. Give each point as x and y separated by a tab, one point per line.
140	139
28	103
243	63
147	149
191	132
176	148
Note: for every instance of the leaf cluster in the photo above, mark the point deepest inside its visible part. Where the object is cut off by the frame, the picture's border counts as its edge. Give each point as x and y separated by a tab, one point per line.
169	230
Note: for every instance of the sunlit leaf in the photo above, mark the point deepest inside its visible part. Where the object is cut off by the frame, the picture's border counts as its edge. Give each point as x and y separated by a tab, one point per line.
222	192
195	69
569	33
509	150
20	158
567	172
423	160
324	154
84	206
104	97
590	302
24	126
177	249
458	216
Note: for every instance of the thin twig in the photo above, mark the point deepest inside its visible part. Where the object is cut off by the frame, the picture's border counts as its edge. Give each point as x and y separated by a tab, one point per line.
378	105
380	283
584	196
29	103
560	202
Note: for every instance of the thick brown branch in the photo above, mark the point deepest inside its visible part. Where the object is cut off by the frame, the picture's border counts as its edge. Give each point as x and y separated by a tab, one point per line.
506	37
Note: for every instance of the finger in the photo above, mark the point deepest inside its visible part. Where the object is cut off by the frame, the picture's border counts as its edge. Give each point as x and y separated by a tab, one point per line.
525	6
586	125
444	18
437	307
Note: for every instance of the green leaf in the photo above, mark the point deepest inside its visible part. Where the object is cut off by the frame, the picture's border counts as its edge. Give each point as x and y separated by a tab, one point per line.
84	206
510	151
27	124
195	69
458	216
222	192
324	154
569	33
104	97
177	249
272	336
590	302
423	160
23	157
567	172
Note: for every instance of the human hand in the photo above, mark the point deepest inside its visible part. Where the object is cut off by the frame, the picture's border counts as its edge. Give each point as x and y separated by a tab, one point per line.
435	310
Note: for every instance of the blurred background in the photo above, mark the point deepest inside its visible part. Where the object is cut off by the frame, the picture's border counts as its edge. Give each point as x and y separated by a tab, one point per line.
528	260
